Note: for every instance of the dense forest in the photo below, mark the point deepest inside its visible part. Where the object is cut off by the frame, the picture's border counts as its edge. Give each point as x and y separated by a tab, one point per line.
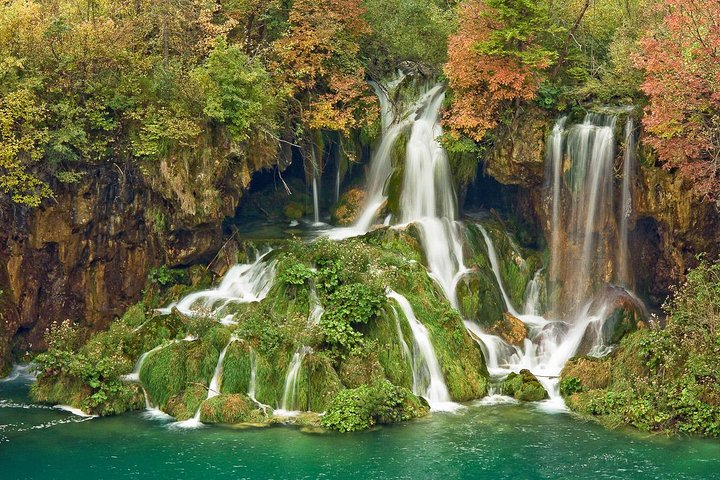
141	140
133	82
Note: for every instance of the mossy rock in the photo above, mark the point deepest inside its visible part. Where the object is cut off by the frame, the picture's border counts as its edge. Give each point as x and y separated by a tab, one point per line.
360	369
294	211
349	207
524	386
168	372
510	328
231	408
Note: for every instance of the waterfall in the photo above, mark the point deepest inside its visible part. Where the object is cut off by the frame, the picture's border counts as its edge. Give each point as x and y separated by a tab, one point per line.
243	283
316	309
214	388
290	392
393	125
555	157
496	271
626	203
532	296
428	198
337	184
403	343
253	383
428	379
134	376
213	391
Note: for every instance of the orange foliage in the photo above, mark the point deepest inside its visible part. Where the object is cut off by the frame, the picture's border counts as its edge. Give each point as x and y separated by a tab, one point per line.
318	63
681	59
483	84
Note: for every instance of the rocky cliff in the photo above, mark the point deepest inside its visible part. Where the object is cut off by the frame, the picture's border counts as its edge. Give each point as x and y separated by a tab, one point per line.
669	225
85	255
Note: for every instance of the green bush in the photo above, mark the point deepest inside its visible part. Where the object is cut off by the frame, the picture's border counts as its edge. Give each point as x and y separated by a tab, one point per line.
349	306
665	379
362	407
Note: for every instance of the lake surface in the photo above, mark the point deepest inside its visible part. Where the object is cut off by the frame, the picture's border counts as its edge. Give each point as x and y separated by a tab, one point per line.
481	442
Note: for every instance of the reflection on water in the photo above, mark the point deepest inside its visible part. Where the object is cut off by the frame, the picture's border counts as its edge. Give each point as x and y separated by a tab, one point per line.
502	441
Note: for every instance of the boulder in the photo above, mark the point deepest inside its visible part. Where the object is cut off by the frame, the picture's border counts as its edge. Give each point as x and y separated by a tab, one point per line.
524	386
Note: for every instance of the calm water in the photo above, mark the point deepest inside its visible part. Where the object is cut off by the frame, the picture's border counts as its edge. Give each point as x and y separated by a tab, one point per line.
493	442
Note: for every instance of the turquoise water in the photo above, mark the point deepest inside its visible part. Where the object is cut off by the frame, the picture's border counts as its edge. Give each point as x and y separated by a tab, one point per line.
482	442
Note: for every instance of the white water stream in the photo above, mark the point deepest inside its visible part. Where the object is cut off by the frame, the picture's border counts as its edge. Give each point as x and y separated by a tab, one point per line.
428	379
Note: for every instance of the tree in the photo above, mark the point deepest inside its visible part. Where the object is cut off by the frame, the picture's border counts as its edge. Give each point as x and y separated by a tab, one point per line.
237	92
681	58
22	139
408	30
496	58
317	61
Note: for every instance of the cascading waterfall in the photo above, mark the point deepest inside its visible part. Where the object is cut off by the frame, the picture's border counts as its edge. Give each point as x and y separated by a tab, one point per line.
403	343
555	160
428	379
428	198
243	283
626	202
532	297
495	265
581	250
316	309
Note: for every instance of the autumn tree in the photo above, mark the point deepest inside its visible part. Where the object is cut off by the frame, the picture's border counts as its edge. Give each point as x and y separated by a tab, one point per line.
681	58
496	59
317	60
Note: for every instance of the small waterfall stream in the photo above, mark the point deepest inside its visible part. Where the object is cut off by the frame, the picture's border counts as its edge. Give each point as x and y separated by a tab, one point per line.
290	392
243	283
428	379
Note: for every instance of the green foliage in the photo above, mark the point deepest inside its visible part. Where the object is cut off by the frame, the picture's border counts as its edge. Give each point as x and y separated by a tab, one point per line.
408	30
293	272
87	376
665	379
367	405
523	23
22	138
165	276
349	306
237	91
569	386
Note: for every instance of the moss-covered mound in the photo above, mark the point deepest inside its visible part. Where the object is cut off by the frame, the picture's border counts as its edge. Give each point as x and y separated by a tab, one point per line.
324	334
524	386
659	379
367	405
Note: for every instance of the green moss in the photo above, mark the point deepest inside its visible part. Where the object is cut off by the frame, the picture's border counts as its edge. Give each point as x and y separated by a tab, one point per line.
231	408
524	387
236	368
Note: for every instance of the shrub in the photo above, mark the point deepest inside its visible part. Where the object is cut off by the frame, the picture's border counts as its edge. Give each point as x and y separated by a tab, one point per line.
362	407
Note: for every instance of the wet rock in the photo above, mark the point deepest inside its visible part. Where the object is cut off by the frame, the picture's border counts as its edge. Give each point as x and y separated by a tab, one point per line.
510	328
621	314
524	386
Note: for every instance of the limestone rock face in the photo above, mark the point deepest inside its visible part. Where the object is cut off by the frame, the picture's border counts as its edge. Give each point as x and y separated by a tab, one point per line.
86	254
518	157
